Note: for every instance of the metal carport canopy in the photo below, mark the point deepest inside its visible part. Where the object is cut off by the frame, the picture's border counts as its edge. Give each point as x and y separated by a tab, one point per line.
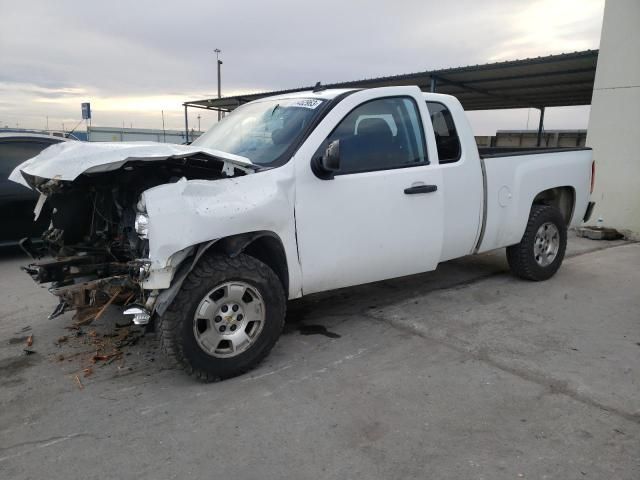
551	81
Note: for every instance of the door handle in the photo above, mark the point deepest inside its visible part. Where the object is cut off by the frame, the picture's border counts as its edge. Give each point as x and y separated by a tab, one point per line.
420	189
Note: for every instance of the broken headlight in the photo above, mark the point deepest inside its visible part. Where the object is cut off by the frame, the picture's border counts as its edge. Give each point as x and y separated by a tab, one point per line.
142	225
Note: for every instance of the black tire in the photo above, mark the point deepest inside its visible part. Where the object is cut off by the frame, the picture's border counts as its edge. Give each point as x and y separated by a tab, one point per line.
521	257
175	327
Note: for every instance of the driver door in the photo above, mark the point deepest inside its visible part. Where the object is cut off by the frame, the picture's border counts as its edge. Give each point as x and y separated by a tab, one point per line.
381	215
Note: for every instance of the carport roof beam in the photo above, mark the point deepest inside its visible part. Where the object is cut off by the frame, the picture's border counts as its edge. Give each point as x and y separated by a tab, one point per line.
552	81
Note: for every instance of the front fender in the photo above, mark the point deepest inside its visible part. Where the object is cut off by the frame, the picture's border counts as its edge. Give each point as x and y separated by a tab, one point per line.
189	213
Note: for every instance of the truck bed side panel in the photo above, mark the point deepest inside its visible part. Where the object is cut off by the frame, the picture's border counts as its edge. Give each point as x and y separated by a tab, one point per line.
514	181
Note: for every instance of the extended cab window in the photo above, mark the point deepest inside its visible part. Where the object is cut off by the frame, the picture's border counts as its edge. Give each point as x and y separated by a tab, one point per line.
447	140
379	135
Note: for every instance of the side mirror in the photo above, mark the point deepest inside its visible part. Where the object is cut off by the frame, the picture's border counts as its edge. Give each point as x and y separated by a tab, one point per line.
324	167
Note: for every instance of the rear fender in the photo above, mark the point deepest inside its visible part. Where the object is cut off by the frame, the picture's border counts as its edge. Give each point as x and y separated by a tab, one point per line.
515	182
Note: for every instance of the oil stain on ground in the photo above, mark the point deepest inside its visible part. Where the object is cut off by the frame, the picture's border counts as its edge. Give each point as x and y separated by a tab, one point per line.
295	322
304	329
316	330
16	340
14	365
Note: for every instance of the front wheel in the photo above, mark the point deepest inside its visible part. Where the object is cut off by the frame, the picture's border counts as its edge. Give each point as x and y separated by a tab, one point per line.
226	318
539	254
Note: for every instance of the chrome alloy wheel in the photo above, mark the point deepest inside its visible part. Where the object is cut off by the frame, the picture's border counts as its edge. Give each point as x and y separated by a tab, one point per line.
229	319
546	244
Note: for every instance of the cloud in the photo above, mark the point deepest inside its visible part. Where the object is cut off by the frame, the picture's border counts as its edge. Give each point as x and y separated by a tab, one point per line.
552	27
133	59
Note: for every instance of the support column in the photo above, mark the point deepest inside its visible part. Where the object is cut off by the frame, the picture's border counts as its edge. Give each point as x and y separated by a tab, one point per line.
540	126
219	89
186	125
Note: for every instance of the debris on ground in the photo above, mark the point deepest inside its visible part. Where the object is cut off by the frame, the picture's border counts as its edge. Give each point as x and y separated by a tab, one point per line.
29	340
89	348
86	345
28	352
84	316
599	233
104	358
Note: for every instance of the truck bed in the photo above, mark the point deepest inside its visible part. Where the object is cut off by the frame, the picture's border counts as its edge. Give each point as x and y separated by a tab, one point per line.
514	176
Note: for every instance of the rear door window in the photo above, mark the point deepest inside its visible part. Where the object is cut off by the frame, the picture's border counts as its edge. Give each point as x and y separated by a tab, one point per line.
444	128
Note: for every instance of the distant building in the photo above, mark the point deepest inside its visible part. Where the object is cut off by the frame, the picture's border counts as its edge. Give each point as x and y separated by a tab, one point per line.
118	134
529	139
54	133
115	134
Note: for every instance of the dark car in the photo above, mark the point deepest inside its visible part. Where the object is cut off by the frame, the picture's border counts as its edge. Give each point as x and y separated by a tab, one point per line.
17	202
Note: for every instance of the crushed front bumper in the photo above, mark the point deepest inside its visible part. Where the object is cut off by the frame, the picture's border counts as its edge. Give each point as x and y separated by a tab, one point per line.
88	284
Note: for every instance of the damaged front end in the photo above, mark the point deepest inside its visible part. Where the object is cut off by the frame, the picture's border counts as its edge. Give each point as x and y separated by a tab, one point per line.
88	287
96	248
98	258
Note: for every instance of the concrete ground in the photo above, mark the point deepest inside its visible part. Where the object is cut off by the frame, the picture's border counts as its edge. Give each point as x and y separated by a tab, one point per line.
461	373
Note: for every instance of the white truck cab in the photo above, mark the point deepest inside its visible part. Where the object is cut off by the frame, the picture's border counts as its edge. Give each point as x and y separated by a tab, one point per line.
288	196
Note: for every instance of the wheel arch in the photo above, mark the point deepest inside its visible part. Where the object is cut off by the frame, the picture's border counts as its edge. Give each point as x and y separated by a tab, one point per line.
563	198
263	245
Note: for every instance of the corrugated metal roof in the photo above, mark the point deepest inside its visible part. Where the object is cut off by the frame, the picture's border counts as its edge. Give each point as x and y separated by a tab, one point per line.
551	81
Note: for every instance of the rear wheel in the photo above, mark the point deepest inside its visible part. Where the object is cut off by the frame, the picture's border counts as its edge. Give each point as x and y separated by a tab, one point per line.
539	254
226	318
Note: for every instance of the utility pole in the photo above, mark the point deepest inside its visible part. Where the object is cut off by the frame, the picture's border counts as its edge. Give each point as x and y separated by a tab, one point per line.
219	62
199	123
164	136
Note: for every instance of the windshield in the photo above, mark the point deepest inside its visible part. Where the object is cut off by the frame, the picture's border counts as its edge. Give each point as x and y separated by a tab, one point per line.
261	131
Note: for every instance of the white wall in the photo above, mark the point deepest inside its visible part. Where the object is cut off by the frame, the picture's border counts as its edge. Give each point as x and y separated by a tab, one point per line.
110	134
614	123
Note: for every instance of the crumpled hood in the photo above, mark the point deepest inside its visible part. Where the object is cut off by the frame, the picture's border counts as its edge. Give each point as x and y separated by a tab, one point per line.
69	160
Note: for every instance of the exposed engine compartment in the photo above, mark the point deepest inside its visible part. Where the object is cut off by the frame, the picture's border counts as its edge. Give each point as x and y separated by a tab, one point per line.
98	257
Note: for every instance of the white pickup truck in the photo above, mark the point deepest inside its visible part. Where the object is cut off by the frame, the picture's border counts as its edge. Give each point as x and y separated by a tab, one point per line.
288	196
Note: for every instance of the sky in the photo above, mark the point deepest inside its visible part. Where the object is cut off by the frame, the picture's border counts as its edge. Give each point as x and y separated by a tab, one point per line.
134	59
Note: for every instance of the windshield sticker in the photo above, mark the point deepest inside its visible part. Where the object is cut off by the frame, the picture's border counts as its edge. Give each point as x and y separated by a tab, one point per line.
306	103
